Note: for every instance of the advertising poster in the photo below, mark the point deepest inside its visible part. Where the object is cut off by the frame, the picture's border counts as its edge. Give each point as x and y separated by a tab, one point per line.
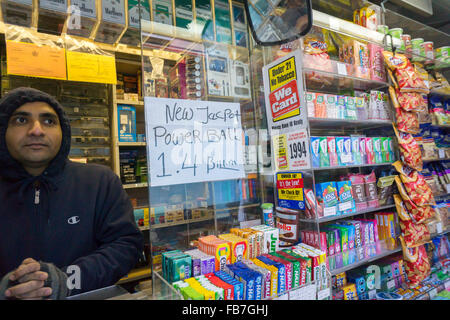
283	86
291	151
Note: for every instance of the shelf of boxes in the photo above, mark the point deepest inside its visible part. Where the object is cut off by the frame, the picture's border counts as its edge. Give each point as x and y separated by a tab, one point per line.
344	216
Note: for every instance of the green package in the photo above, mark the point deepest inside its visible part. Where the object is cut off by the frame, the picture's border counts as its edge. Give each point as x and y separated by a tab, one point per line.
295	269
376	142
323	152
180	267
190	293
308	263
165	256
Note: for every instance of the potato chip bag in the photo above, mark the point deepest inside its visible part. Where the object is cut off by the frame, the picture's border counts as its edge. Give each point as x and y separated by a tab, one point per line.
409	150
415	184
407	121
406	76
402	212
411	101
414	234
416	262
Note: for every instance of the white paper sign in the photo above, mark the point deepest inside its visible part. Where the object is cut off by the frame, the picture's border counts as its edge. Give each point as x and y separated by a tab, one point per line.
193	141
285	100
291	151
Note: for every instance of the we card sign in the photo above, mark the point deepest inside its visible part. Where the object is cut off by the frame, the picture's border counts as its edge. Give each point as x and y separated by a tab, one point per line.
283	87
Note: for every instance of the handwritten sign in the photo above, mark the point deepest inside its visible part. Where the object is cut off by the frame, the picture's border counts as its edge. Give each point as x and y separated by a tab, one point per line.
283	87
193	141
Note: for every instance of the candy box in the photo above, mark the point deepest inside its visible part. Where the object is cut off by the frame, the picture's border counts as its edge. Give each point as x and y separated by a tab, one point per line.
369	150
341	107
266	276
281	272
238	245
305	261
376	142
179	267
315	151
346	202
298	268
327	195
332	151
320	107
385	155
255	276
377	70
361	108
289	267
362	150
350	292
339	280
356	154
350	108
359	280
310	103
324	160
344	150
273	276
331	105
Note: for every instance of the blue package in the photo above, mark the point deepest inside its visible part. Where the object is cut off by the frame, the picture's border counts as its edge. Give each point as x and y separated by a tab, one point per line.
126	116
257	277
237	286
281	272
346	202
315	152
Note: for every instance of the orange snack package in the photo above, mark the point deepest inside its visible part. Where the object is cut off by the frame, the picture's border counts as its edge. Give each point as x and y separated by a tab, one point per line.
414	234
409	150
416	262
406	121
418	189
406	76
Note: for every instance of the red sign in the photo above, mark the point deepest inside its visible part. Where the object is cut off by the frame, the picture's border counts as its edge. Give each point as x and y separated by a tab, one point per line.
284	100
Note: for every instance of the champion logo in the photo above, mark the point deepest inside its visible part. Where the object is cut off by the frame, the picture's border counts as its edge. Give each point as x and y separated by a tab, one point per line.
73	220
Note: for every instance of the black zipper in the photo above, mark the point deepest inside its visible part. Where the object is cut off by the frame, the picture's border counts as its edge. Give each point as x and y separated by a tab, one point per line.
37	201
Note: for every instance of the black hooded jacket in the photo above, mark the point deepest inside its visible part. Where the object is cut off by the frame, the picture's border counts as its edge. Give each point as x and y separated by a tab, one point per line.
81	215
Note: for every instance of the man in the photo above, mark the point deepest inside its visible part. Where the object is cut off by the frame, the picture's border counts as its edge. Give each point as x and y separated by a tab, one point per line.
59	220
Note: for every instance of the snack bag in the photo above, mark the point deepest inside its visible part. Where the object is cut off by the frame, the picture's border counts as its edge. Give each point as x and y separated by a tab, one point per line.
414	234
406	121
409	150
415	184
411	101
418	214
416	262
407	78
402	212
316	56
370	181
385	186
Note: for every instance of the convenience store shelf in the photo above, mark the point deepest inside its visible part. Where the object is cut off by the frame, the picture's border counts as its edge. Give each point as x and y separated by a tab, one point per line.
353	166
136	274
385	253
131	102
132	144
344	216
338	80
177	223
135	185
325	123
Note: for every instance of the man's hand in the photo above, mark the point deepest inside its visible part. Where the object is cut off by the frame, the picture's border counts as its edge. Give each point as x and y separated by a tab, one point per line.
31	281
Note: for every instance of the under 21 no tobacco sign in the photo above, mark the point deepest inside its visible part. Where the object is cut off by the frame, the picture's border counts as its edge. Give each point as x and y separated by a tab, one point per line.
283	87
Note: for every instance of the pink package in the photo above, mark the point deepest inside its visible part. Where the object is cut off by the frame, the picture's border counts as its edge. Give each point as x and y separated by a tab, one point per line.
370	185
323	241
376	62
332	153
370	156
362	150
359	191
373	229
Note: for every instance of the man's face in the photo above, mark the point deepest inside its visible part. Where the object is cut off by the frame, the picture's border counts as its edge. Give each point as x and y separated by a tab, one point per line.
34	136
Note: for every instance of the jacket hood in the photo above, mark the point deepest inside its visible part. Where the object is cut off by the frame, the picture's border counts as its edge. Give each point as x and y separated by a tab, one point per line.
10	169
